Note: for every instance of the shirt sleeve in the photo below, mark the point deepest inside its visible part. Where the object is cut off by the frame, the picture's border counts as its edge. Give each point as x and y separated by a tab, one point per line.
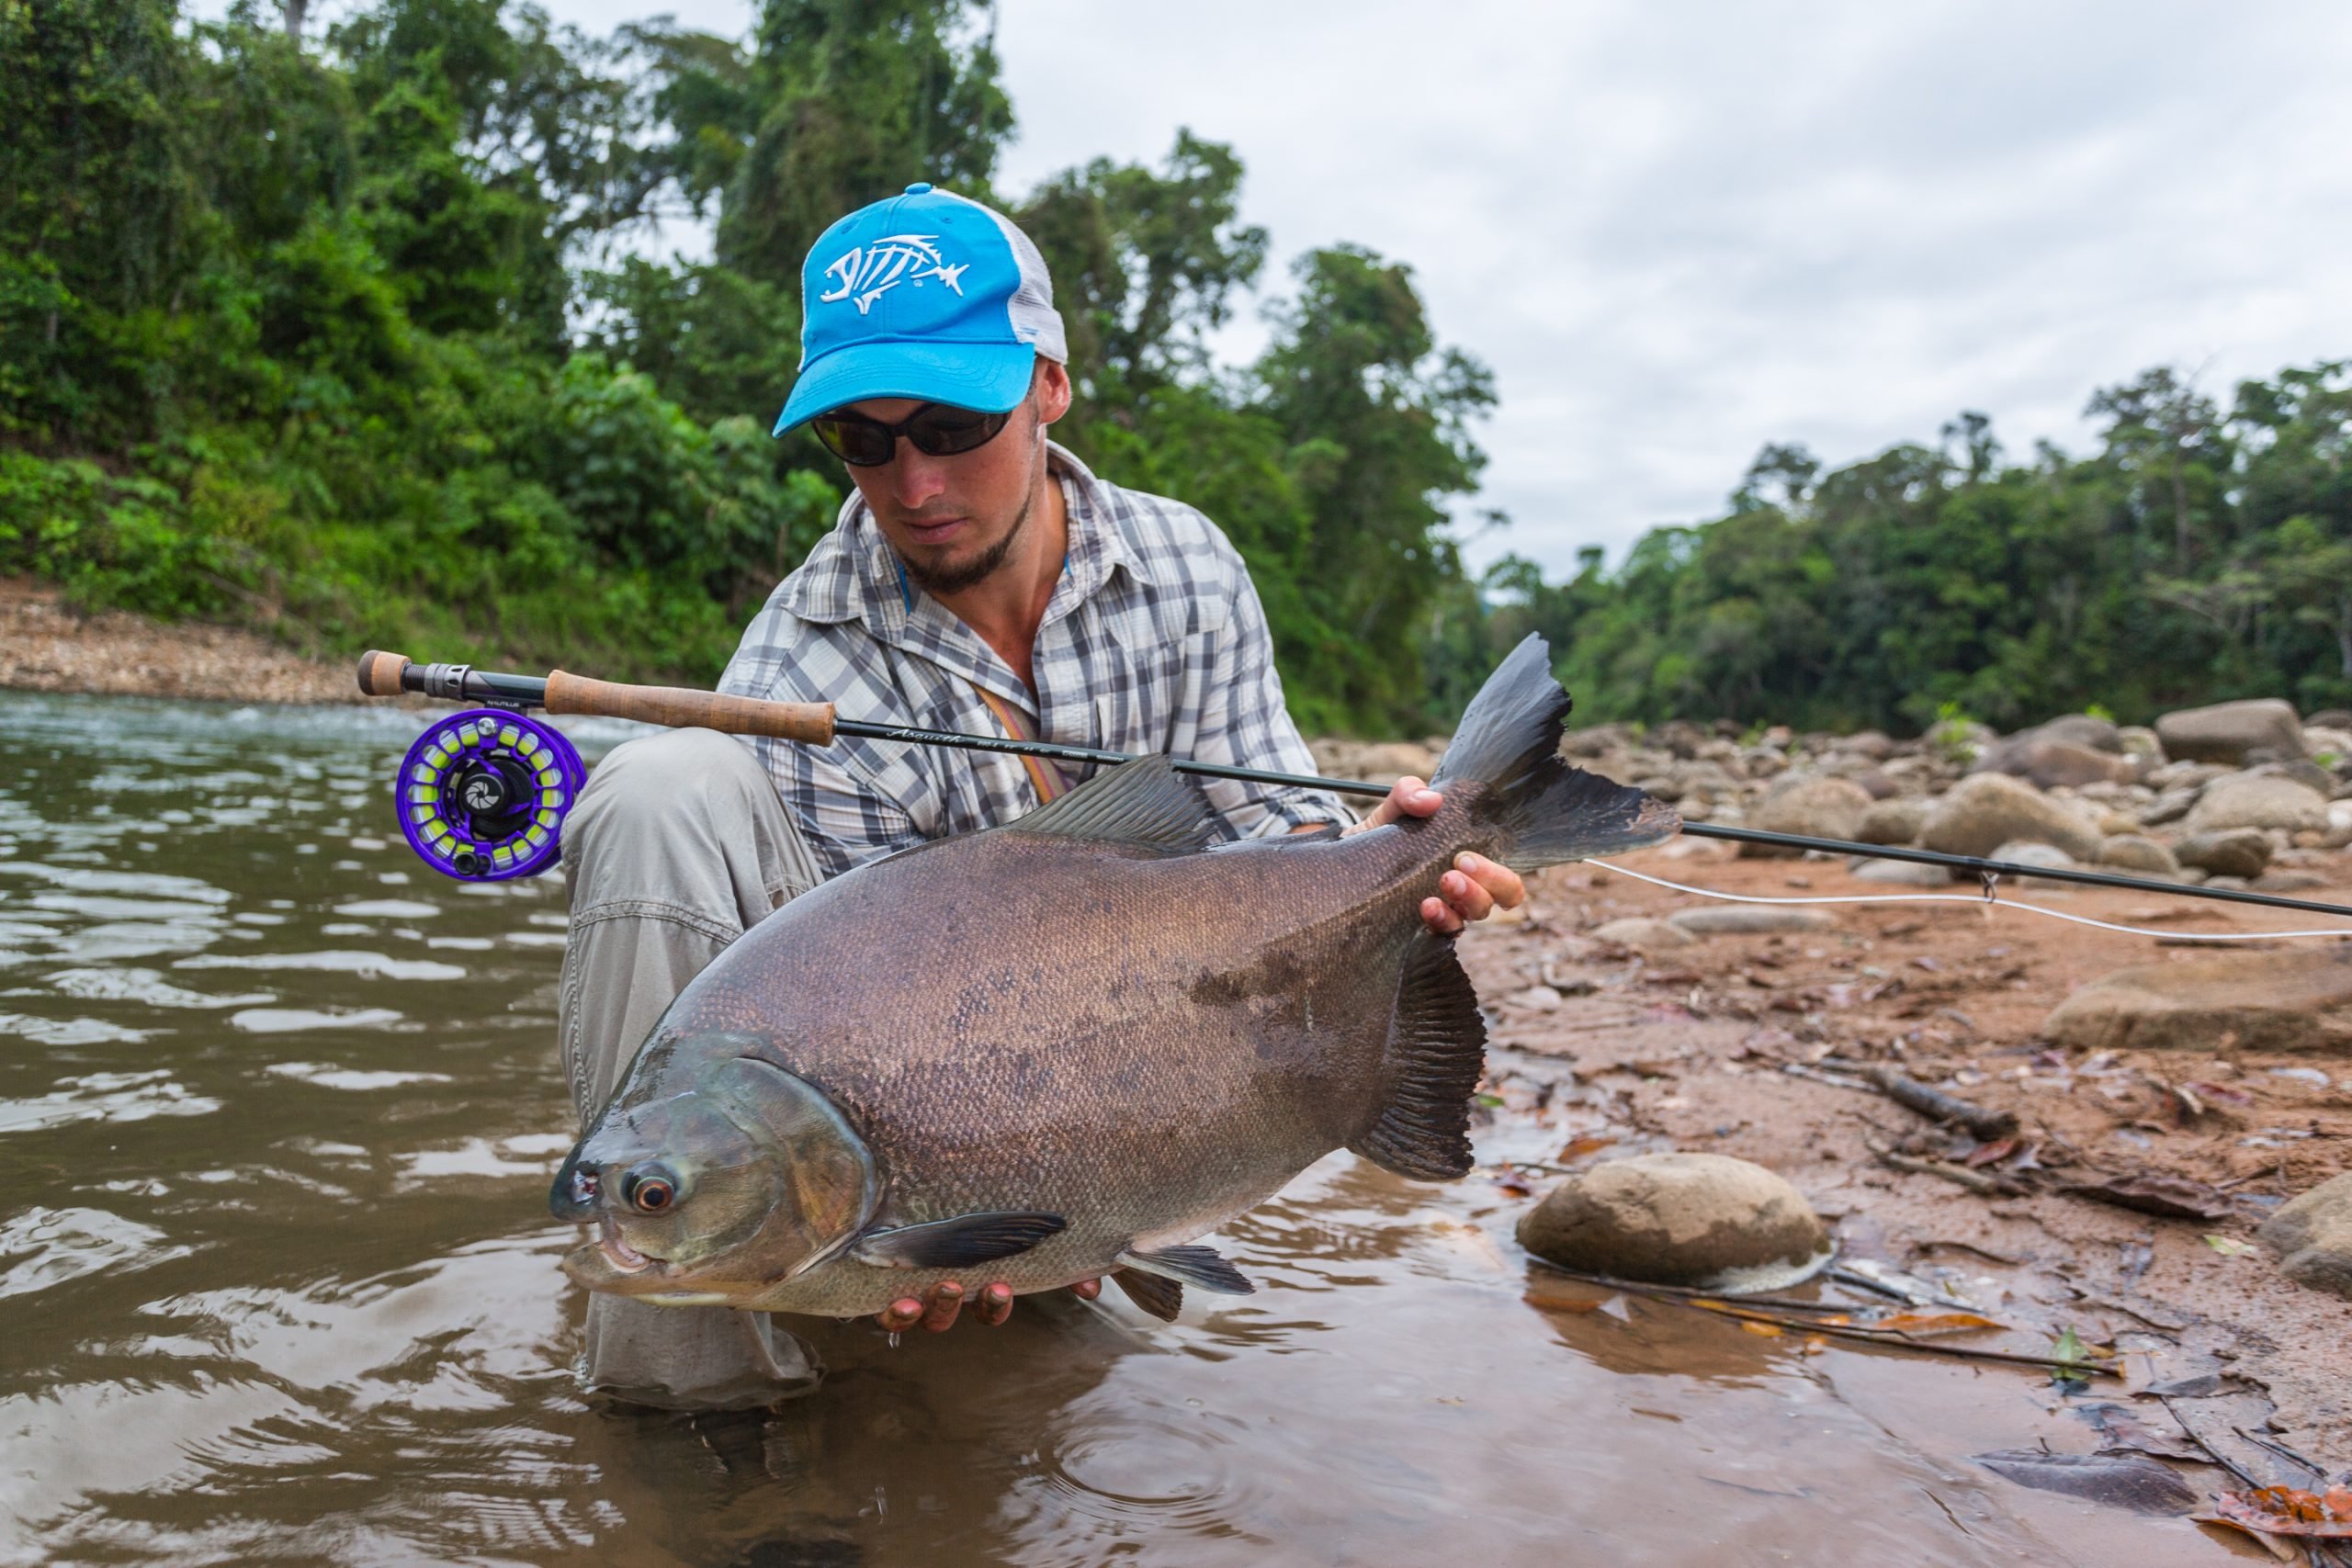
842	818
1245	723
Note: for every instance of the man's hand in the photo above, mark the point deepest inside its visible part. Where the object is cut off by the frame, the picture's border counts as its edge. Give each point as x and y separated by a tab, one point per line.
937	1308
1473	889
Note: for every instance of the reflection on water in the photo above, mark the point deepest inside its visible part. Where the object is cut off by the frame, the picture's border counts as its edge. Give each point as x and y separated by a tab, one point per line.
280	1286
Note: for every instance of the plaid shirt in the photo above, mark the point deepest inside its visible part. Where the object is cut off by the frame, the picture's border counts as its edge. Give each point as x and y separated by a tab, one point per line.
1153	641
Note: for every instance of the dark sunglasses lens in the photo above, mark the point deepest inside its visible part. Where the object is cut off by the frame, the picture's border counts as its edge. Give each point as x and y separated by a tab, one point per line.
942	432
855	441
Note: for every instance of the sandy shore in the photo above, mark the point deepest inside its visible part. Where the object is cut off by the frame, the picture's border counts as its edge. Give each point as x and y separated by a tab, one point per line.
46	648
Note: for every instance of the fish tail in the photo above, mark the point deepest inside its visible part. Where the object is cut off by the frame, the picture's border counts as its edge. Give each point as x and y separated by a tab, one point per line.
1539	810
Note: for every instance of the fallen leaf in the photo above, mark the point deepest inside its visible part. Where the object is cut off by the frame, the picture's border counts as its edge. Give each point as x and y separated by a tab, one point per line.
1767	1330
2222	1092
1935	1323
1577	1148
2204	1385
1992	1153
2284	1510
2124	1481
2229	1246
2151	1193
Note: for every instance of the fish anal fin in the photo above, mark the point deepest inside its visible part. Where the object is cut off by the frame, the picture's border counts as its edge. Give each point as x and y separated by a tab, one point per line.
1437	1049
964	1242
1162	1298
1200	1267
1144	805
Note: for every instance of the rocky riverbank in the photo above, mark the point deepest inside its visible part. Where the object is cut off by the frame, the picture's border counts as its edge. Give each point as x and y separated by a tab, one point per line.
2176	1186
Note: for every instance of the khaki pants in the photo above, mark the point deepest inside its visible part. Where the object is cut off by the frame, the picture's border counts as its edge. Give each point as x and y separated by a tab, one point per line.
677	846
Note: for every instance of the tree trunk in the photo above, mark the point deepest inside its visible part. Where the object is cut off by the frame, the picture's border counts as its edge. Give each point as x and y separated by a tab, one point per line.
295	10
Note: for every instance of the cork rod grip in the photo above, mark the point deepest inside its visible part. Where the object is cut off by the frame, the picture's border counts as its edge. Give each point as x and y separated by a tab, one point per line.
380	673
681	708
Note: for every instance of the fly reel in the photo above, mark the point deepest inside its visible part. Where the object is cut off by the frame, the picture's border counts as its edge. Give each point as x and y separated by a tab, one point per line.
482	794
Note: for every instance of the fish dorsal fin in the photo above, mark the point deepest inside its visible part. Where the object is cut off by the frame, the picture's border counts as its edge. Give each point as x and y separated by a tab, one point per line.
1144	805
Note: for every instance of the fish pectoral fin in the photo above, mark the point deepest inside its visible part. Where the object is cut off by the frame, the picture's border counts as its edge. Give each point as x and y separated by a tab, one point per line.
960	1243
1199	1266
1162	1298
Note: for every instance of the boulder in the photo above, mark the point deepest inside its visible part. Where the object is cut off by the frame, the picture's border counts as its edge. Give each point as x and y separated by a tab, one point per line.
2239	852
1640	930
2081	730
1985	811
1379	762
2025	851
2330	718
1750	919
2137	741
1812	803
2137	854
2225	732
2049	764
1893	821
2312	1235
2288	1000
1704	1221
2258	800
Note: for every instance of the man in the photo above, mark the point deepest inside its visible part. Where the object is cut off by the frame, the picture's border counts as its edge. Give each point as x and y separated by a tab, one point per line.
981	580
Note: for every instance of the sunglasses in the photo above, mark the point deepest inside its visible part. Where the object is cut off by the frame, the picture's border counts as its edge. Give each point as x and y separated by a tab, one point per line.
938	429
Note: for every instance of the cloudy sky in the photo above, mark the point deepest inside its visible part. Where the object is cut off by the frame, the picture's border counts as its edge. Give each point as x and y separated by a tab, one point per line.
1676	231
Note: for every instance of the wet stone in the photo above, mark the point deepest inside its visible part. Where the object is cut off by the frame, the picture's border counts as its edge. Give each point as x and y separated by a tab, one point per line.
1701	1220
2312	1236
2240	852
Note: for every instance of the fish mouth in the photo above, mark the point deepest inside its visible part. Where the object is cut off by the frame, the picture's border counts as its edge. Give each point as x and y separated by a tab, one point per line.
621	1254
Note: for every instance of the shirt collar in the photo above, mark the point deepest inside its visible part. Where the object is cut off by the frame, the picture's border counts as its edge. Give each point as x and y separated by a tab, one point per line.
852	575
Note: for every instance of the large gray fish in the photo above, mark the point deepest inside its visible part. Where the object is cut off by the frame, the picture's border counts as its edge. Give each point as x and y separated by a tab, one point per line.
1073	1044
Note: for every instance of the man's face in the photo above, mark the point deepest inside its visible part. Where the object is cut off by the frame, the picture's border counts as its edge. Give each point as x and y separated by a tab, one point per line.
954	520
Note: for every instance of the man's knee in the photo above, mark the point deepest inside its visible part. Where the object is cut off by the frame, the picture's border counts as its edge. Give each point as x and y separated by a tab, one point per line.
658	782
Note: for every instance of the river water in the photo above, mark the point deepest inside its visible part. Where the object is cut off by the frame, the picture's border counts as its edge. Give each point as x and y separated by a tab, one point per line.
278	1112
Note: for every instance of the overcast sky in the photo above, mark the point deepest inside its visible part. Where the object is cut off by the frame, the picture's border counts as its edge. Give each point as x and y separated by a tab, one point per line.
1676	231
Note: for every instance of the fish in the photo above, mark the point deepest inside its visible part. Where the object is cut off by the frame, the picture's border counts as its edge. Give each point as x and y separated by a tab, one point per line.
1071	1045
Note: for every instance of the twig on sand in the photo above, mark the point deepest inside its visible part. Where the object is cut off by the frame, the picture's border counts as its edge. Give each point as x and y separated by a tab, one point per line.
1754	1308
1974	1180
1937	1106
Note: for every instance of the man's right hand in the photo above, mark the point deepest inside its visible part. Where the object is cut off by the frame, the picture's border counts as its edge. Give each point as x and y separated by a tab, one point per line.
937	1308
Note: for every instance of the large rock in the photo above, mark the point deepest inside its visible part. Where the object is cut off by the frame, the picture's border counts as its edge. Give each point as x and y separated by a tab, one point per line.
2258	800
1706	1221
1985	811
2290	1000
2330	718
2312	1236
1893	821
2226	732
2137	853
2236	852
2049	764
2080	730
1812	803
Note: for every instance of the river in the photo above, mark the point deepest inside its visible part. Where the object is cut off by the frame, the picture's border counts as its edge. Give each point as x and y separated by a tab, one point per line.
278	1112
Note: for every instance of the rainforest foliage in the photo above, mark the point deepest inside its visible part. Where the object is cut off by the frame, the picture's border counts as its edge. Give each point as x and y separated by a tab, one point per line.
351	334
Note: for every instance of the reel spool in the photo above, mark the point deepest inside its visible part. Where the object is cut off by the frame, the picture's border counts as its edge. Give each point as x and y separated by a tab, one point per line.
482	794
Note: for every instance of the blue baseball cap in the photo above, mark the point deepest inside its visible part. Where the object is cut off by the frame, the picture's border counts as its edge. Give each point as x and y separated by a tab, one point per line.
927	295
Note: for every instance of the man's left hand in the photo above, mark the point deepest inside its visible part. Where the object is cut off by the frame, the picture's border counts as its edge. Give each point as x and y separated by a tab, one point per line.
1473	889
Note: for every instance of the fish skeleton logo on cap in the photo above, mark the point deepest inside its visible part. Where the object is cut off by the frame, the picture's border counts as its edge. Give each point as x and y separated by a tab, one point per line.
868	272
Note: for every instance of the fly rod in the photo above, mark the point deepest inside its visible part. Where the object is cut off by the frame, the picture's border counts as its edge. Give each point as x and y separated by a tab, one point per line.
476	788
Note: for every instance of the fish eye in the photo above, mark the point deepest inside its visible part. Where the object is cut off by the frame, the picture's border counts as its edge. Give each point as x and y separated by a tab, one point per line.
650	1190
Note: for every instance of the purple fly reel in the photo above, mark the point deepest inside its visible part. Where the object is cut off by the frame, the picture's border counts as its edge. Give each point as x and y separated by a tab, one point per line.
482	794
